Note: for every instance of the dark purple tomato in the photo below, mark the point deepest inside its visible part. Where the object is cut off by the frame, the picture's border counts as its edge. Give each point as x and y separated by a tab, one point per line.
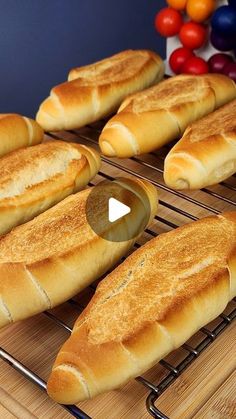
230	70
222	43
223	21
218	61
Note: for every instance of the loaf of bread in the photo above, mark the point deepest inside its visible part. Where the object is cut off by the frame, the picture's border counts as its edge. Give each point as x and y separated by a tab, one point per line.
149	119
148	306
206	154
97	90
57	254
17	131
33	179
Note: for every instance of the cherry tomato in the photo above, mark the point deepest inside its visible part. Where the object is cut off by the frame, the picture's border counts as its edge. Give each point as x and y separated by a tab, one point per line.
224	21
200	10
178	58
168	22
193	35
177	4
218	61
230	70
195	65
222	43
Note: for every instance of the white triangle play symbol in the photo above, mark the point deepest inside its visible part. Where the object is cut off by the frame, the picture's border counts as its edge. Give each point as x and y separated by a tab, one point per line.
116	210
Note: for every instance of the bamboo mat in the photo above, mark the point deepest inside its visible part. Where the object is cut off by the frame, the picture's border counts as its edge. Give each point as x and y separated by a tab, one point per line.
205	389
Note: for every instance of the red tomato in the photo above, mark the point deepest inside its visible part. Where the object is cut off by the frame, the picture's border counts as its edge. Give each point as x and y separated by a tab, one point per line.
178	58
168	22
195	65
193	35
218	61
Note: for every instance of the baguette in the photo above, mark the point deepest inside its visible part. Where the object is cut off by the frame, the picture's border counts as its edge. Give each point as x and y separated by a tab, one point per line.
57	254
33	179
96	90
148	306
206	154
17	131
149	119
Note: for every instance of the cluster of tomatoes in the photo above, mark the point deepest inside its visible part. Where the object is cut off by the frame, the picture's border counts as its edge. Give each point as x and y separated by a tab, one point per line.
193	34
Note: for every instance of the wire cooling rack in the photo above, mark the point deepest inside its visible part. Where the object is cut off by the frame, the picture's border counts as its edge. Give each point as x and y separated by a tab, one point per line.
175	209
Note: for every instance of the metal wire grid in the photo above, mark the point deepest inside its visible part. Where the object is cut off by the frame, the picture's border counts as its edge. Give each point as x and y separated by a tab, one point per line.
155	390
193	353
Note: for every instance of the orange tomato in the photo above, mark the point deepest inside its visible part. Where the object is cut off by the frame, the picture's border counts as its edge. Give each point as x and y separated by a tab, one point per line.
200	10
177	4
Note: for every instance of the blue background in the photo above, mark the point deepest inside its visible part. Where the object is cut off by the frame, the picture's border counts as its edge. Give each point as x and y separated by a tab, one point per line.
41	40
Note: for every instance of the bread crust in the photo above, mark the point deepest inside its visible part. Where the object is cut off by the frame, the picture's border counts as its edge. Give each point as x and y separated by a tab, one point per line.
18	131
149	119
149	305
34	179
51	258
96	90
206	154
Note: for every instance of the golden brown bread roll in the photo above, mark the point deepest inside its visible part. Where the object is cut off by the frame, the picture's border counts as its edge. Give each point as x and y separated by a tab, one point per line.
149	119
18	131
148	306
206	154
51	258
96	90
33	179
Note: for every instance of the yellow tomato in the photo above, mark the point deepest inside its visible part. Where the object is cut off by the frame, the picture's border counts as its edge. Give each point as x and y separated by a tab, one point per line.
177	4
200	10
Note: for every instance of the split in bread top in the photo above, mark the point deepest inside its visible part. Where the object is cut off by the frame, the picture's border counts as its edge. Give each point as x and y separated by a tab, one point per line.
151	118
97	90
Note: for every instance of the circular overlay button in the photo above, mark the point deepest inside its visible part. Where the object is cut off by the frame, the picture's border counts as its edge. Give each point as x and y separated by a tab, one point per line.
118	210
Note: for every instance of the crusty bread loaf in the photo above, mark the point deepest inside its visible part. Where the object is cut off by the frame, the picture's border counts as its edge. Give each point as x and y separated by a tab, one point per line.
149	119
148	306
96	90
33	179
206	154
51	258
17	131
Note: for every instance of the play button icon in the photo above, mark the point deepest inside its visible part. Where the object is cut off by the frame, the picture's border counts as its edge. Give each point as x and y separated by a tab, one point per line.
118	210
